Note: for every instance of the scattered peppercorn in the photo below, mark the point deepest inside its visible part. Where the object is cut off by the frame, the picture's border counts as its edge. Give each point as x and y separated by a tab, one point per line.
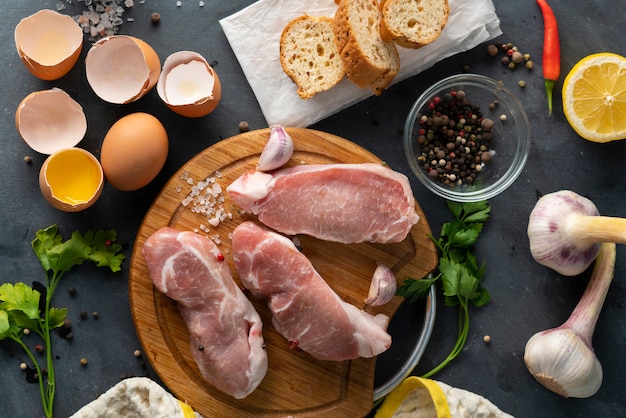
28	160
200	347
71	291
83	314
155	17
530	64
244	126
517	57
502	117
511	55
39	348
23	366
95	314
220	257
26	331
453	135
487	339
65	330
522	83
137	353
83	361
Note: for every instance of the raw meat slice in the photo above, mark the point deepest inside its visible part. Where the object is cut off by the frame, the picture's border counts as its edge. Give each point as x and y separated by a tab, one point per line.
224	328
344	203
305	310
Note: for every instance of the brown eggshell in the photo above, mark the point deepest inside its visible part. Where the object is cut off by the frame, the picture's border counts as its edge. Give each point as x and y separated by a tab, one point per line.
50	120
121	69
134	151
48	43
71	179
197	105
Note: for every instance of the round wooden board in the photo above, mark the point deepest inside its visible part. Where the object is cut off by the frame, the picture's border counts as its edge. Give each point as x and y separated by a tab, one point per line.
296	384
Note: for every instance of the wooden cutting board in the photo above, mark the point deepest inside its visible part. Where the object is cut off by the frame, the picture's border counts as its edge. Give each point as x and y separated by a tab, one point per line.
296	384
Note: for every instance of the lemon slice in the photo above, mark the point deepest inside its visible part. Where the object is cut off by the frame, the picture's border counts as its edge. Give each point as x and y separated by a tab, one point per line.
594	97
415	397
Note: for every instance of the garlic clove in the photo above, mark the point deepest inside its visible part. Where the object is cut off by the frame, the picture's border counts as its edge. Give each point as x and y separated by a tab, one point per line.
277	151
383	286
561	361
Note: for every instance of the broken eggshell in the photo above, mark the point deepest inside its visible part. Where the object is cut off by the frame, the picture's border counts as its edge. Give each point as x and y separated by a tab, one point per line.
71	179
50	120
48	43
121	69
188	85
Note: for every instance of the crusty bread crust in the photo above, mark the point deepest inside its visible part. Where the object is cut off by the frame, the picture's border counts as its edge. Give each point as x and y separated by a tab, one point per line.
369	61
309	54
413	24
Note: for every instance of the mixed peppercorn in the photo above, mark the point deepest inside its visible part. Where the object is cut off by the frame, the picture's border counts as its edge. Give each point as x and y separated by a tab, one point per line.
454	139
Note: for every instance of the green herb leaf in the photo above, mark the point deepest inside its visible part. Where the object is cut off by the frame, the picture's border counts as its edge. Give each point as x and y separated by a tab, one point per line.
56	317
23	307
5	326
415	289
458	271
58	256
20	297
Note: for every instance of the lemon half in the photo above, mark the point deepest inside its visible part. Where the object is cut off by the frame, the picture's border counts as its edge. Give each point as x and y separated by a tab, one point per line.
594	97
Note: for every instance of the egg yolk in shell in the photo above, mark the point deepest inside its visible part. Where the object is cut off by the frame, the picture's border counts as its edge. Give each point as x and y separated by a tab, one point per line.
73	176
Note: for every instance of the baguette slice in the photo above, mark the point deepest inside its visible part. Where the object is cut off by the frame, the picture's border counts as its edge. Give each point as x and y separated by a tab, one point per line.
369	60
413	23
309	54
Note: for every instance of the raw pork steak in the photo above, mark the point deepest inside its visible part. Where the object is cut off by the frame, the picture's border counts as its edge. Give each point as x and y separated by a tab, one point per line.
304	308
224	328
335	202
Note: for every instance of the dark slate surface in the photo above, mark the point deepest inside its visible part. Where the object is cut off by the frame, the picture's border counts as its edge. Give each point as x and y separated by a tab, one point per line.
526	297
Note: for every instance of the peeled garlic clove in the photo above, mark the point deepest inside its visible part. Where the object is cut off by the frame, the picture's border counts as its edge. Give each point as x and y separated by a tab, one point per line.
572	371
383	286
122	69
48	43
50	120
188	85
277	151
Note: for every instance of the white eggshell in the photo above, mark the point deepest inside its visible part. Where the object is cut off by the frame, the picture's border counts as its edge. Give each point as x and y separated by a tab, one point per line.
50	120
48	43
121	69
188	85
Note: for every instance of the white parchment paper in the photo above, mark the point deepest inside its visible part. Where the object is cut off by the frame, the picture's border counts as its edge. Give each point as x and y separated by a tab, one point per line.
254	35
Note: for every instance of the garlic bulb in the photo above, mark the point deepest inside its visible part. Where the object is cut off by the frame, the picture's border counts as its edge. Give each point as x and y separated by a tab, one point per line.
562	359
563	363
565	231
277	151
382	287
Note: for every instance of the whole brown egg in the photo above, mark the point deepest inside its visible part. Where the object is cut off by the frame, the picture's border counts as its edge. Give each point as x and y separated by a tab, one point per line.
134	151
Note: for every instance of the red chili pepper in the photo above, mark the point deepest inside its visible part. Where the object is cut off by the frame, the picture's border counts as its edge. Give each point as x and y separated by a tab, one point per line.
551	50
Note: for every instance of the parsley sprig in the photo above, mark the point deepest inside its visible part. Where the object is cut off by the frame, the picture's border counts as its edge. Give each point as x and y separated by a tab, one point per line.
459	274
23	308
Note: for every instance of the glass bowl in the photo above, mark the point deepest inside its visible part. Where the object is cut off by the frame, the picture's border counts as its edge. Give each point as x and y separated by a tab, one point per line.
452	152
411	328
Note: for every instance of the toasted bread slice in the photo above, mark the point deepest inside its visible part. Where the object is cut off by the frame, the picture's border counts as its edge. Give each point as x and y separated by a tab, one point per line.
309	54
413	23
369	61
